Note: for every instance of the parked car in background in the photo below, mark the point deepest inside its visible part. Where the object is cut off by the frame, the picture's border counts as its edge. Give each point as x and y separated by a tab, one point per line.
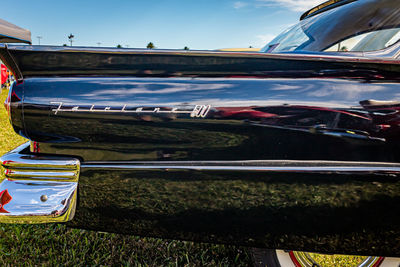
295	147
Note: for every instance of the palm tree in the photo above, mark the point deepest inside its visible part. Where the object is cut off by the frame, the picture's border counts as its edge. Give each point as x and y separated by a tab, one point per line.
71	37
150	45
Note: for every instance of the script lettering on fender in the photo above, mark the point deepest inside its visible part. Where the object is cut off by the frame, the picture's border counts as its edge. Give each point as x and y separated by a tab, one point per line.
197	111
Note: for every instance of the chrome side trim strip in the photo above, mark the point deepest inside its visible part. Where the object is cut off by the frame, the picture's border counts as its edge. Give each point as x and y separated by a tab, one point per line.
337	167
40	175
37	189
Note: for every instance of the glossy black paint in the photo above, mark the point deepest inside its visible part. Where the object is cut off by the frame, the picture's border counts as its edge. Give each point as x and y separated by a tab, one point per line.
15	99
262	107
45	61
249	119
348	214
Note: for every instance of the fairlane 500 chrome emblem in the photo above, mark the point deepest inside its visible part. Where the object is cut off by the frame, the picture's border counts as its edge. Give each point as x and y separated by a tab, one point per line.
198	111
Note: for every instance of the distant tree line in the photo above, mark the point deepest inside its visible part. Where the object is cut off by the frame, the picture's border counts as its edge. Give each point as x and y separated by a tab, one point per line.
150	45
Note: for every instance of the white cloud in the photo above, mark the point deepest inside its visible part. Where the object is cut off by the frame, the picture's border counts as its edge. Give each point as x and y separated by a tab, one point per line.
239	5
295	5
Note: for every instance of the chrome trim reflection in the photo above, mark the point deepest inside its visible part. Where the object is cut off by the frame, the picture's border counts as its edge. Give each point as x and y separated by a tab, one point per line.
337	167
37	189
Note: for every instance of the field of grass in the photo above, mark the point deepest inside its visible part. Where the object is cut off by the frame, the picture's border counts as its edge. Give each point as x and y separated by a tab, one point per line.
50	245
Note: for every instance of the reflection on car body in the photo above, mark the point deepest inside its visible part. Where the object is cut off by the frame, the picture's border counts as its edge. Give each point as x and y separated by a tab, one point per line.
293	147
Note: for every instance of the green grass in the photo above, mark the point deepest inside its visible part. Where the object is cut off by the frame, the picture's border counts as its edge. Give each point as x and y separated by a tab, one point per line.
50	245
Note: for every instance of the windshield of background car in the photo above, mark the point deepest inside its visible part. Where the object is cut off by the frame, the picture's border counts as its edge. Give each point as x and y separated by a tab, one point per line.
361	26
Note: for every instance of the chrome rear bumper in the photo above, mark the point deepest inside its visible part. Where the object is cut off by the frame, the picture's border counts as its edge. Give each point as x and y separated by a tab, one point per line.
37	189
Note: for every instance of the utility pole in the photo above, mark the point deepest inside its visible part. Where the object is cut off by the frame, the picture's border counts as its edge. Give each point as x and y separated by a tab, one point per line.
39	37
71	37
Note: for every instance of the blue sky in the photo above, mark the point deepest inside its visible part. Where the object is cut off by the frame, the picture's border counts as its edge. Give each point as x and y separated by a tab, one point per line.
200	24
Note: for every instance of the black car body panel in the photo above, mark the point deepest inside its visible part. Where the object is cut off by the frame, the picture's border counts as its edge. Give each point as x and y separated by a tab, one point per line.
293	150
244	119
